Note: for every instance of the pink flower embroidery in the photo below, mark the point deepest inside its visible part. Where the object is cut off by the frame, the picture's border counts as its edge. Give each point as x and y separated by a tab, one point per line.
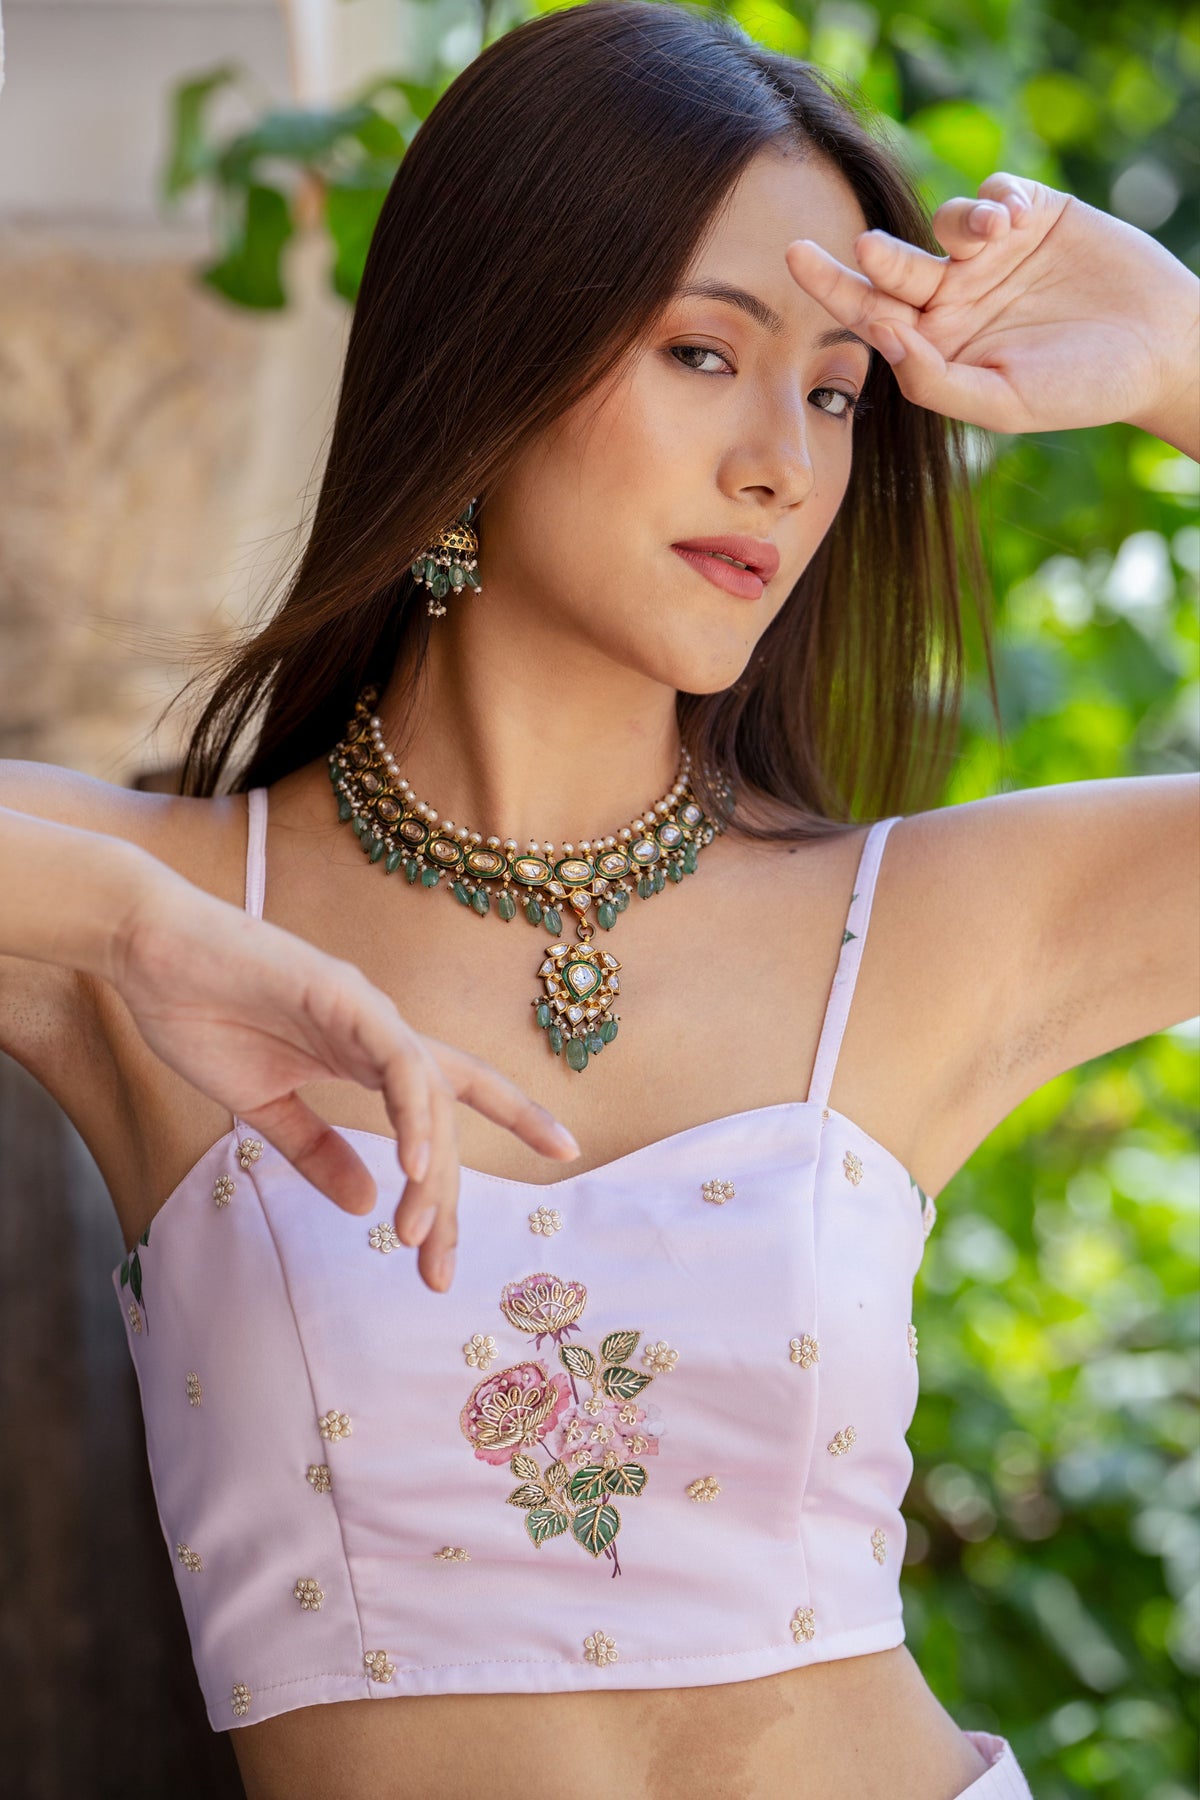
513	1410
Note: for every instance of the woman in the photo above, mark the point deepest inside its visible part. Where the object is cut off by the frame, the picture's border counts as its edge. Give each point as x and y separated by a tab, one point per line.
595	366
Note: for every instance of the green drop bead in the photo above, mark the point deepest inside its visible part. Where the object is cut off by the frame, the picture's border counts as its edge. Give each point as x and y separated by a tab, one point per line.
645	888
473	577
543	1015
506	906
429	877
395	858
533	911
621	899
553	921
412	868
608	1030
377	849
431	568
369	841
660	879
457	576
689	859
460	893
577	1054
441	584
606	915
360	825
674	871
481	900
345	808
556	1039
595	1043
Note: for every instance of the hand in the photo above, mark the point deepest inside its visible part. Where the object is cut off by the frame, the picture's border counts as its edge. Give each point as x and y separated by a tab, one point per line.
247	1012
1046	314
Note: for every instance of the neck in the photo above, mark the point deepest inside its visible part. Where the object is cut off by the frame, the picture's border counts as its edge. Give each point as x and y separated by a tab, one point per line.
496	741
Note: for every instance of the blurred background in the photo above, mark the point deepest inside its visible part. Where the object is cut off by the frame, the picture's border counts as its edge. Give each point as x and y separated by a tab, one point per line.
187	189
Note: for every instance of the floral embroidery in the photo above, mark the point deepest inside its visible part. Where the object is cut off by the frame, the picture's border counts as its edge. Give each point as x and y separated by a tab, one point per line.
852	1167
928	1214
804	1624
241	1699
599	1649
189	1558
309	1593
318	1475
377	1665
706	1487
131	1275
841	1441
335	1425
912	1338
545	1221
249	1150
718	1191
528	1406
195	1392
805	1350
135	1317
382	1237
453	1553
659	1358
223	1188
879	1544
481	1350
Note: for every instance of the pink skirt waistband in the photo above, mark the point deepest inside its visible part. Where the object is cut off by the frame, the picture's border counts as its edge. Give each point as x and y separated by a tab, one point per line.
1002	1779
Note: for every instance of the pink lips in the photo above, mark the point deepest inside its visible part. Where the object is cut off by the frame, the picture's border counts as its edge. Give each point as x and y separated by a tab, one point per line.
760	553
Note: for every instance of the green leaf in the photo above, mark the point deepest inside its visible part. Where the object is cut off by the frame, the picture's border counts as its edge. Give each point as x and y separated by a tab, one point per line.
579	1360
297	135
530	1493
588	1483
125	1272
595	1527
135	1276
525	1468
351	214
145	1237
623	1384
190	155
619	1346
249	272
545	1522
627	1478
555	1476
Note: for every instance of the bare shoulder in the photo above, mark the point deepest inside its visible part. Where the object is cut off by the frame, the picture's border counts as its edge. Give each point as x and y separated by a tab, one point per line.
48	1009
1020	935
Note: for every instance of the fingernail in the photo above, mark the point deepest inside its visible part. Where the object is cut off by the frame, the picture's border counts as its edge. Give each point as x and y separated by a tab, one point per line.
892	348
420	1161
443	1268
981	214
567	1138
422	1225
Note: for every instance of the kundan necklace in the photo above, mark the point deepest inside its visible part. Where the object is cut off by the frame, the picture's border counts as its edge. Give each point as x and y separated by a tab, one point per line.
580	980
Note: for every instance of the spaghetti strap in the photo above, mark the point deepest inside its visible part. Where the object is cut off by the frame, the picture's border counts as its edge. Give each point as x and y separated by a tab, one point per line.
837	1010
256	850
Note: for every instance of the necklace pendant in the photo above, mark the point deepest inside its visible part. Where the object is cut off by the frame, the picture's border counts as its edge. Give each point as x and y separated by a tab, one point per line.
580	983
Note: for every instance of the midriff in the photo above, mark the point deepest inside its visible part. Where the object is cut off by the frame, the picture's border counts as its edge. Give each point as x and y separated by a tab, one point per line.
860	1728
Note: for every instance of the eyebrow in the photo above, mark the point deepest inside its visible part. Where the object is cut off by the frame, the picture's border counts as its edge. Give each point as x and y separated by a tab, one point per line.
765	315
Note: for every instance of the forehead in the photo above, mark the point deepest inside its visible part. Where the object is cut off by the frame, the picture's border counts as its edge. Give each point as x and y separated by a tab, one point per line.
779	197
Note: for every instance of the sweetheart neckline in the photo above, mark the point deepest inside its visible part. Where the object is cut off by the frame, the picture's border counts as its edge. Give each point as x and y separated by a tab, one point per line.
239	1128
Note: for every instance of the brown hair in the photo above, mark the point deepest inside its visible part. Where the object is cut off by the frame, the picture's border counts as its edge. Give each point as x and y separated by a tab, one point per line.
492	301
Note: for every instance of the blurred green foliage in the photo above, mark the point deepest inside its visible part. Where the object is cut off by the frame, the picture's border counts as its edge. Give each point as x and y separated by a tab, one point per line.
1052	1586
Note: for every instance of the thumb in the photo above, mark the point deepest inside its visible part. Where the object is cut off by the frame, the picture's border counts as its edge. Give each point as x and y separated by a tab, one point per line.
966	391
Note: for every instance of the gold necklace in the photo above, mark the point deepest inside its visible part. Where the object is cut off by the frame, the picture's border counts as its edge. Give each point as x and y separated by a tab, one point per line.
580	980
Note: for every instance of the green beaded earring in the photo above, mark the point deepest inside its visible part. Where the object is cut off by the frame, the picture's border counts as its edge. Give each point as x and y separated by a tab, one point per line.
449	562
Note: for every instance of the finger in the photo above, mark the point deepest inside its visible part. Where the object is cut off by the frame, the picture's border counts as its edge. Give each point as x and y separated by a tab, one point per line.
899	269
971	392
435	1257
966	226
478	1084
1016	193
852	299
316	1151
423	1198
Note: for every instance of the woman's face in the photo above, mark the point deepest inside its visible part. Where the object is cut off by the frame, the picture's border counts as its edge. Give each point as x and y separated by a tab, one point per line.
720	422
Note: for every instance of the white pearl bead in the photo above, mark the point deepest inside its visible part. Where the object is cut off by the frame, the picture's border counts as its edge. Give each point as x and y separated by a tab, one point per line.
493	843
510	844
462	834
585	846
568	849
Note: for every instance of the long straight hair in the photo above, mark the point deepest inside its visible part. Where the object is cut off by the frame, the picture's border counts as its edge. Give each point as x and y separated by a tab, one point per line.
540	222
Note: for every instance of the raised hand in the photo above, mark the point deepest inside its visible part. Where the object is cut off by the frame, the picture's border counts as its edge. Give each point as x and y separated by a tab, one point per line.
1045	313
247	1012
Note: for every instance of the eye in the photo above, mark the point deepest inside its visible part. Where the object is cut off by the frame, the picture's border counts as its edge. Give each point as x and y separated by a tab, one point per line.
851	403
702	350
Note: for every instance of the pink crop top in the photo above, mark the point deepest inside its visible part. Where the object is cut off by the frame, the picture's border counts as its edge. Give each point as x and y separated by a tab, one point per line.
652	1436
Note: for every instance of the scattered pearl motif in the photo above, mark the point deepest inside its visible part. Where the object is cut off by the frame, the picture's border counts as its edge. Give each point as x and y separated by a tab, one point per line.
804	1624
335	1425
223	1188
599	1649
852	1168
377	1665
805	1350
545	1221
383	1237
660	1358
249	1150
841	1441
705	1487
318	1476
241	1699
452	1553
481	1350
189	1558
912	1338
195	1392
929	1216
718	1191
135	1317
879	1544
309	1593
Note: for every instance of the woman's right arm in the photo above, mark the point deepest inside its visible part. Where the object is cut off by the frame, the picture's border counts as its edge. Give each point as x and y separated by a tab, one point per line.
244	1010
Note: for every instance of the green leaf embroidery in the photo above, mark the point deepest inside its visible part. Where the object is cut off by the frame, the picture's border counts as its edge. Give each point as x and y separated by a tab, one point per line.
530	1493
145	1237
627	1478
524	1467
619	1346
578	1360
135	1276
545	1522
588	1483
555	1476
125	1273
623	1384
595	1527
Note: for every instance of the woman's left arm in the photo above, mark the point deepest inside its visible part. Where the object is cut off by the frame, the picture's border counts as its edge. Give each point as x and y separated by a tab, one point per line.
1044	315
